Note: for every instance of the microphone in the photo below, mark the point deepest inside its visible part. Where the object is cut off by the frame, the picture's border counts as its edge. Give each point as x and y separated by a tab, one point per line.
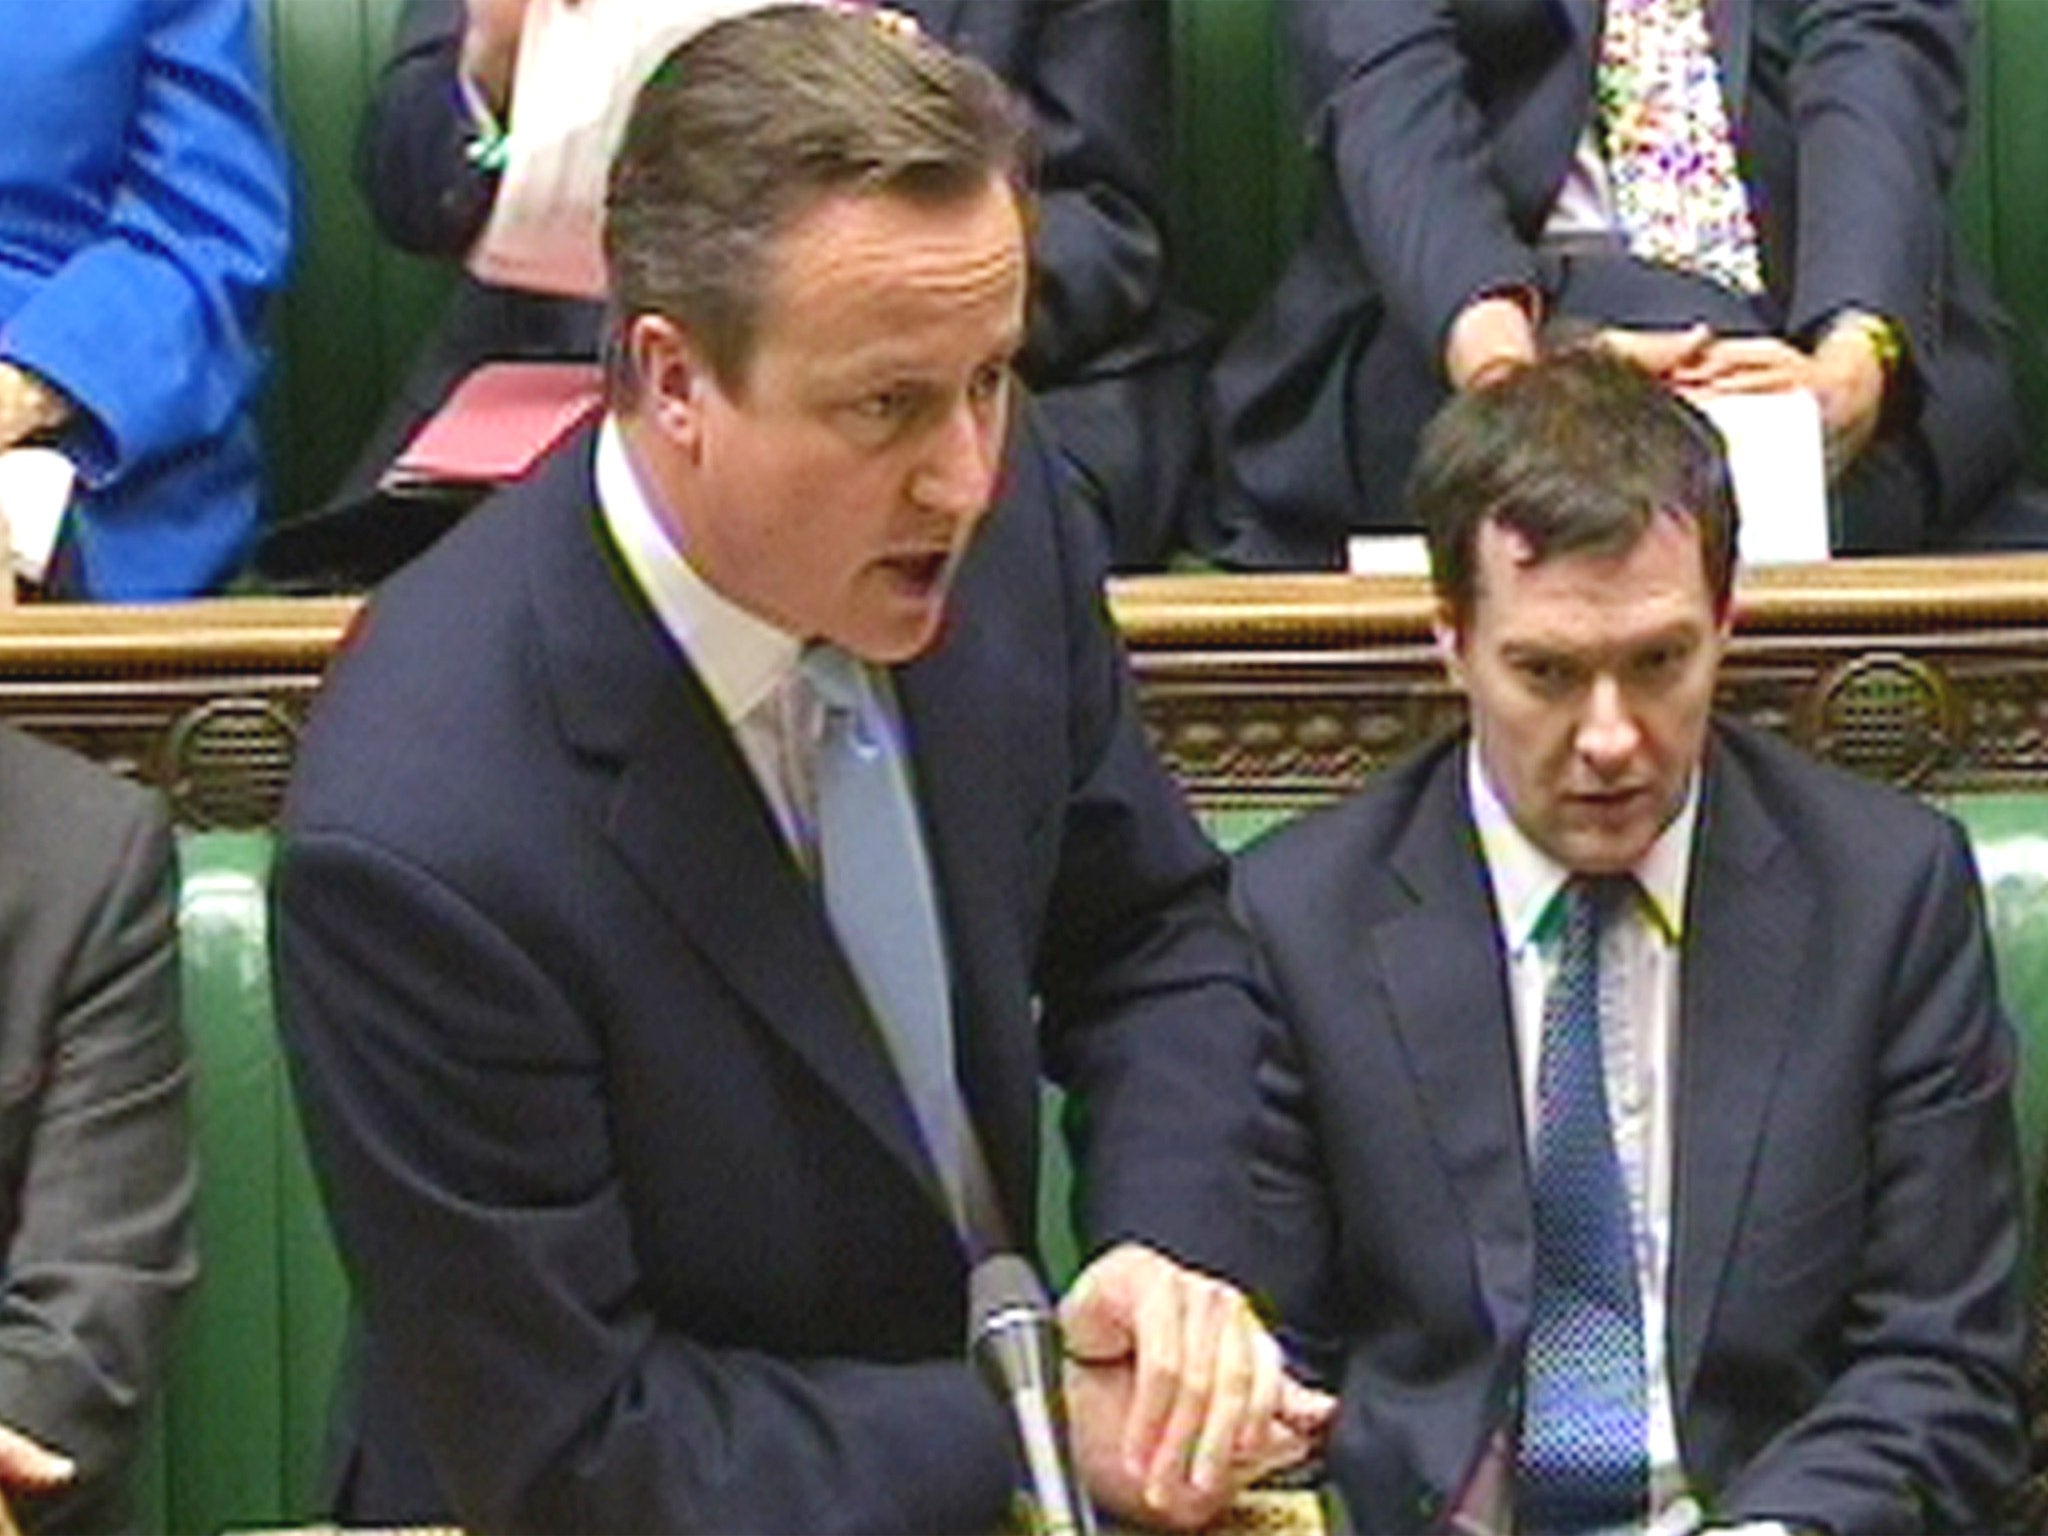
1012	1342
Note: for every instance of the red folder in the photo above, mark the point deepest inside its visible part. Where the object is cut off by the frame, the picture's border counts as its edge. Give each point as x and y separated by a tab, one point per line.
497	423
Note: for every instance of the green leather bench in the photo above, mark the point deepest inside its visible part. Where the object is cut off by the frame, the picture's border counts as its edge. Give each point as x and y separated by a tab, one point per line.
237	1436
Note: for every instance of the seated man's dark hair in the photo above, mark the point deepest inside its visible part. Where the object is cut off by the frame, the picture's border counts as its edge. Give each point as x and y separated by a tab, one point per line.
1577	453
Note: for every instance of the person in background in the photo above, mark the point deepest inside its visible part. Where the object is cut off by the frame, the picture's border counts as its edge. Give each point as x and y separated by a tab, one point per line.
96	1169
1640	1149
1116	362
696	858
143	223
1744	194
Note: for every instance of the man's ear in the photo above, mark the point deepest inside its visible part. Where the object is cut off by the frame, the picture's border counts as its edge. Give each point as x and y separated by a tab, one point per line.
1444	625
675	382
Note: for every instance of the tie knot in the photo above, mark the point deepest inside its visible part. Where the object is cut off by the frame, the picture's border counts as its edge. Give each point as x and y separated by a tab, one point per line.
1602	895
1584	904
840	682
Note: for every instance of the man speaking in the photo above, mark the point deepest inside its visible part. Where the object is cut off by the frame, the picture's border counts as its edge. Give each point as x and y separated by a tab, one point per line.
696	857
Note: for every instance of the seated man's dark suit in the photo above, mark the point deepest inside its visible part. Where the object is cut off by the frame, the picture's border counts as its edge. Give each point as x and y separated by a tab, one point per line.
631	1197
1844	1323
96	1171
1117	363
1443	130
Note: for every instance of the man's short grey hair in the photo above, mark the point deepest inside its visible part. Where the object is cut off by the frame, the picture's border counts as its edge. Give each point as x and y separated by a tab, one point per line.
753	122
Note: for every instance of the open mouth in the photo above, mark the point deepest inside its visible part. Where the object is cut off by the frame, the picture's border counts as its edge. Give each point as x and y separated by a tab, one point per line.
920	572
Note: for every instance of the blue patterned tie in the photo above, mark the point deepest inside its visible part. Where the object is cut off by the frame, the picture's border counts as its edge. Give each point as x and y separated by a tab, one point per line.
1582	1461
879	899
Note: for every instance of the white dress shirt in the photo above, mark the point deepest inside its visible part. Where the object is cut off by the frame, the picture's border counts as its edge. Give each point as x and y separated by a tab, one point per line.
747	665
1640	957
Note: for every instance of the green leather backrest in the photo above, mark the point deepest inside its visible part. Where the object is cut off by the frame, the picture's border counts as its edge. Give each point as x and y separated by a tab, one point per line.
356	308
2009	835
1241	161
239	1432
2001	199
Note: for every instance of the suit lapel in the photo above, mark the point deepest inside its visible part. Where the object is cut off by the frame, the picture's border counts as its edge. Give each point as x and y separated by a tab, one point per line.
1442	967
1567	86
688	817
1728	24
1746	923
685	814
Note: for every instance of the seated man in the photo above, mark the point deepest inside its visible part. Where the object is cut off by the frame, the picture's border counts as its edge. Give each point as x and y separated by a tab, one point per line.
698	854
96	1172
1751	193
1642	1148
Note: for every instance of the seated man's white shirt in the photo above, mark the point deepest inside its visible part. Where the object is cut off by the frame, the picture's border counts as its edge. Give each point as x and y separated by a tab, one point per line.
1639	980
1641	962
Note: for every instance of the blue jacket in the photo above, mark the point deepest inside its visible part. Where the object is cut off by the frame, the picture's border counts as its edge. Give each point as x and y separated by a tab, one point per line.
143	221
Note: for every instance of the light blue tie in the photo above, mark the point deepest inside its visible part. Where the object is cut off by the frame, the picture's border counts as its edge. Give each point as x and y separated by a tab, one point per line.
879	899
1582	1460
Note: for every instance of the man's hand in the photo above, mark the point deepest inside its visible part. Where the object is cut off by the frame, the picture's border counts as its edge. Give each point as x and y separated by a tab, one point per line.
27	406
1849	381
1842	372
1490	336
1745	365
27	1465
1175	1391
1663	353
490	47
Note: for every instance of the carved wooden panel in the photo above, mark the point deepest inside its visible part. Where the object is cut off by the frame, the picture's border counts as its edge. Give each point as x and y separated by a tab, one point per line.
1258	690
203	700
1932	674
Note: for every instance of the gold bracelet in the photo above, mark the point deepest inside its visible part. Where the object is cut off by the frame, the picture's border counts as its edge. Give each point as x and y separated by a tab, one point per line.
1883	336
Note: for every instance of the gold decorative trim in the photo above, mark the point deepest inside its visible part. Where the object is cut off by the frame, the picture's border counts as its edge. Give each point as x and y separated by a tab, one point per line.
1957	592
1264	692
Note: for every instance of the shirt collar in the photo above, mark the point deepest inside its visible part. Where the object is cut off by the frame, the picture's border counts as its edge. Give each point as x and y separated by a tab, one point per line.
1526	880
740	657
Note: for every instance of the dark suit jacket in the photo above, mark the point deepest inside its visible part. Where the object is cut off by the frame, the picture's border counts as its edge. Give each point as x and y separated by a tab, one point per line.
96	1173
1843	1313
1443	130
628	1191
1114	358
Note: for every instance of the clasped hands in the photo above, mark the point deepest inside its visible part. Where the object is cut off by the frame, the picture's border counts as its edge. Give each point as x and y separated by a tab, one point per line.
27	1466
1842	371
1176	1396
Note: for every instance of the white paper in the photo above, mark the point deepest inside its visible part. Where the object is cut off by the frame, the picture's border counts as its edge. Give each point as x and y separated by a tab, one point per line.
580	65
1387	554
1775	459
1779	466
35	488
